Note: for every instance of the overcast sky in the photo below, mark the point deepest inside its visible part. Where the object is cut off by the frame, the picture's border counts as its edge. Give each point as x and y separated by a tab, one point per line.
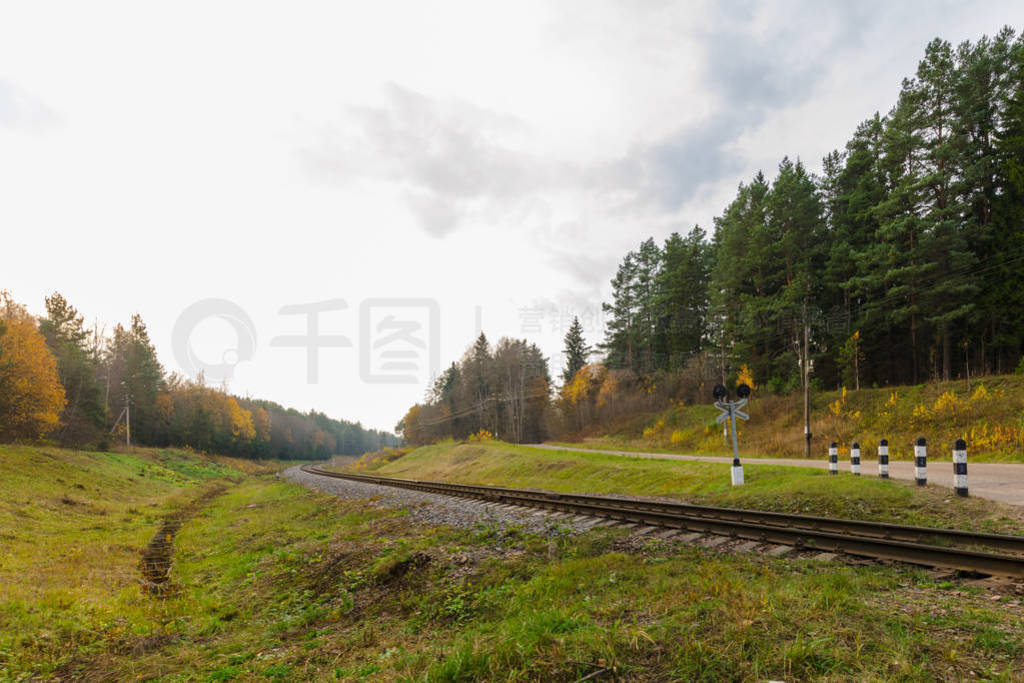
420	169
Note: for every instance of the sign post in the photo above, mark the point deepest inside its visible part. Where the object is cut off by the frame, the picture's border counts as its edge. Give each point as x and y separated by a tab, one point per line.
731	411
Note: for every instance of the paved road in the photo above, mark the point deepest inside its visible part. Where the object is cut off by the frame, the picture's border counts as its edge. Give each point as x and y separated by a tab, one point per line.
998	481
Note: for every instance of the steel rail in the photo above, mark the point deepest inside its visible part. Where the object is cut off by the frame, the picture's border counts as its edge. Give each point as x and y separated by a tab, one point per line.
869	539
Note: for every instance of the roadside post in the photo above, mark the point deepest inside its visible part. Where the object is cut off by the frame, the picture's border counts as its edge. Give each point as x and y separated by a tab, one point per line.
730	412
920	462
883	458
833	458
960	468
855	459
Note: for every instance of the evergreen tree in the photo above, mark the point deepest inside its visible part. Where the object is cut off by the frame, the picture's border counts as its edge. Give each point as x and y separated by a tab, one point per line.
84	415
478	384
644	294
682	298
135	379
1004	297
576	351
901	261
620	344
948	297
795	215
744	277
852	188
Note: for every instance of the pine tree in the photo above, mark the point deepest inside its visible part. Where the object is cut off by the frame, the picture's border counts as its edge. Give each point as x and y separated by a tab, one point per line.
1003	296
620	343
478	385
576	351
796	215
84	415
645	282
135	378
853	186
949	293
901	261
746	278
985	88
682	298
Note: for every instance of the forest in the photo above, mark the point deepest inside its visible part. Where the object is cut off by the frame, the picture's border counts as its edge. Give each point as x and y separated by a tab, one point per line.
65	383
897	265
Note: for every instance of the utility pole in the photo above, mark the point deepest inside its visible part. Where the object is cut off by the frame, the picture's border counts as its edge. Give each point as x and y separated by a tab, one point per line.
127	423
807	386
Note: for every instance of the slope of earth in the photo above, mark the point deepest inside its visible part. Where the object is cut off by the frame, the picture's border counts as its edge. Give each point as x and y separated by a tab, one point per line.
768	487
988	413
272	581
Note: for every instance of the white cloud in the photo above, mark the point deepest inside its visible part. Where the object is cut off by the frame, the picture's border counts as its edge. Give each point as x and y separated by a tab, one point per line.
478	154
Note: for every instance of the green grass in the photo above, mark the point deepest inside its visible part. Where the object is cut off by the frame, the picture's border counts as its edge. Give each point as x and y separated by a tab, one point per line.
71	527
768	487
274	582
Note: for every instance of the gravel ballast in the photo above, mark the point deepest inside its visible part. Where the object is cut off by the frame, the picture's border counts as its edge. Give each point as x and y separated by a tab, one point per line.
432	508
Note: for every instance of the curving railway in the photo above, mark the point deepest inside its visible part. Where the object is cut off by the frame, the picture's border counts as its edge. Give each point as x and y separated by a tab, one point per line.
983	553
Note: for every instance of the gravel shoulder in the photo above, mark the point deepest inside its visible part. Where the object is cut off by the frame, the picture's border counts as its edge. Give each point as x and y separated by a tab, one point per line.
430	508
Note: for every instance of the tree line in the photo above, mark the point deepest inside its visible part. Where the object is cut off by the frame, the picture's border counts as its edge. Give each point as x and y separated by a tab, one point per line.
501	391
78	387
897	264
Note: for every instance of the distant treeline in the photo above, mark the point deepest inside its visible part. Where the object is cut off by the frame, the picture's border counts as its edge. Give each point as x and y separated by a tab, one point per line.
62	381
900	263
500	392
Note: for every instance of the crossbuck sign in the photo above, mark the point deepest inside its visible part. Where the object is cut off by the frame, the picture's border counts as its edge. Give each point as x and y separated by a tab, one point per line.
731	411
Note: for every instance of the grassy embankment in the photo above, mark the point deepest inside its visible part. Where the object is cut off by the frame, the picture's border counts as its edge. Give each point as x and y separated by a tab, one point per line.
988	413
272	581
768	487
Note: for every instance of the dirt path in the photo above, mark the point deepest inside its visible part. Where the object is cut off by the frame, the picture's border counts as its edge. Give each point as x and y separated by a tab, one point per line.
998	481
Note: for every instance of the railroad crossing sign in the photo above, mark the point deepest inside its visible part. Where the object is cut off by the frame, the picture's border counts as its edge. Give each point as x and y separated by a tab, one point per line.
731	412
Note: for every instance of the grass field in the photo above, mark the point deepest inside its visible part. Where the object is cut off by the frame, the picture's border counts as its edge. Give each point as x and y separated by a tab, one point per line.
274	582
768	487
988	413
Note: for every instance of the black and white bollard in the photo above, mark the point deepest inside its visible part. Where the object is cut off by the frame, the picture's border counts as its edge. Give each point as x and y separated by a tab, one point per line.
883	458
960	468
855	459
833	458
920	462
737	472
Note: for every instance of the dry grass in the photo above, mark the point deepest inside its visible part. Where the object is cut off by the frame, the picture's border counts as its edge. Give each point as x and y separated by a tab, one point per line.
987	413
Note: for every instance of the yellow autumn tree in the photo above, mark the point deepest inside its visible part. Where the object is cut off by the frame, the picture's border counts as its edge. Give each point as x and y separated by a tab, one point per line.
240	420
31	395
746	376
261	423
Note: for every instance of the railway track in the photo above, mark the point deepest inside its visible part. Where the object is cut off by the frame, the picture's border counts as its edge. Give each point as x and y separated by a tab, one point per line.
990	554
